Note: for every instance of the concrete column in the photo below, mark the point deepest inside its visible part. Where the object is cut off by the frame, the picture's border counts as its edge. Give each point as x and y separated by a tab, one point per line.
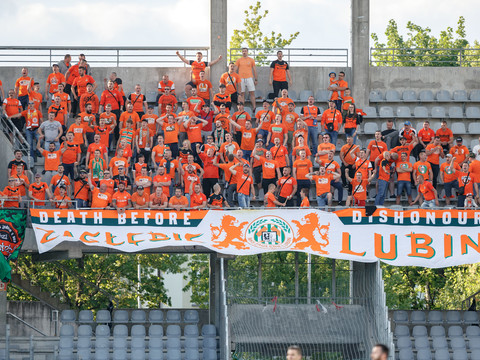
360	82
3	309
218	39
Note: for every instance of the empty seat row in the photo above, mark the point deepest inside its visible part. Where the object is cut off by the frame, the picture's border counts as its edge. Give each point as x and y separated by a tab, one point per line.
405	342
436	317
437	331
137	316
441	354
424	96
421	112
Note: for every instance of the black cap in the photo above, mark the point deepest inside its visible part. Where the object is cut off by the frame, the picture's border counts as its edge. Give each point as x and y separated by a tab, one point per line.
83	171
459	139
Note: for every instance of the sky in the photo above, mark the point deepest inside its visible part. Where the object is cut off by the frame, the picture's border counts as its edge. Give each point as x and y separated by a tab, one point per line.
322	23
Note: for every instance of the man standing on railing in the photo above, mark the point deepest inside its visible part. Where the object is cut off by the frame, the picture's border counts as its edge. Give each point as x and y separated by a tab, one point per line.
247	70
279	71
197	66
23	86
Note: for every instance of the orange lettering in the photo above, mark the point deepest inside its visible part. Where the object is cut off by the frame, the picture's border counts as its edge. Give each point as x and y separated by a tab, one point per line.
45	237
190	237
131	239
447	245
379	253
84	239
428	252
158	237
465	241
68	234
109	239
177	237
346	246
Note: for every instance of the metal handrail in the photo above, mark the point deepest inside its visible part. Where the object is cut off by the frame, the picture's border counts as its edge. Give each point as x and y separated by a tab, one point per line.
426	56
17	140
468	301
25	323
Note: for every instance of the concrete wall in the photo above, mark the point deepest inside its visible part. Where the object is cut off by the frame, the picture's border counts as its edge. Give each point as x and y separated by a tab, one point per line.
35	313
6	151
424	78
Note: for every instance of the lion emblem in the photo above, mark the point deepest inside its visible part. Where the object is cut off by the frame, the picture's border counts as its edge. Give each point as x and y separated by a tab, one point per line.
306	238
233	233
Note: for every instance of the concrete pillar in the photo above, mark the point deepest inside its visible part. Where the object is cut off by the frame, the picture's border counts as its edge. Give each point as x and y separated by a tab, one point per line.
360	82
3	309
218	40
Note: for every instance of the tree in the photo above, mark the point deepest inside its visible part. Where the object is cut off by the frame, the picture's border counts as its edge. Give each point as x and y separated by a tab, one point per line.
251	36
421	48
94	280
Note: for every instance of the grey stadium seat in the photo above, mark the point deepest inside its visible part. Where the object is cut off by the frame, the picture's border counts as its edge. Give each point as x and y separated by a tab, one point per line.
101	354
191	316
84	331
400	317
475	95
102	331
65	343
138	354
192	354
435	125
455	112
437	330
435	317
68	316
155	331
209	343
369	128
474	128
473	143
370	112
385	112
151	96
210	354
392	96
103	317
321	95
190	331
457	343
460	95
155	354
138	331
405	354
292	94
438	112
120	316
409	96
443	95
455	331
457	128
472	112
425	96
209	330
424	354
304	95
173	331
85	316
439	343
419	330
422	343
120	353
138	316
454	317
475	355
259	94
155	316
174	354
67	331
417	317
375	96
460	354
404	342
442	354
474	344
403	112
173	343
420	112
191	343
84	353
472	331
173	316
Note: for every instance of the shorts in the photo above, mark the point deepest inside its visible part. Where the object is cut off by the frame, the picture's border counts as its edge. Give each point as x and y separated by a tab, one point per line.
248	85
257	175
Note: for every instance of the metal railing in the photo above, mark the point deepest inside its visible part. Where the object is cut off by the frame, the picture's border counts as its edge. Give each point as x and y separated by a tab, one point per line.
25	323
13	135
99	56
461	57
466	303
296	56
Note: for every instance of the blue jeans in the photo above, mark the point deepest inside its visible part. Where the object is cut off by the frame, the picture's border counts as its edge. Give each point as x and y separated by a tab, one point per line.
333	136
247	154
313	136
382	191
243	200
338	185
350	132
322	200
429	204
81	203
32	134
264	134
407	185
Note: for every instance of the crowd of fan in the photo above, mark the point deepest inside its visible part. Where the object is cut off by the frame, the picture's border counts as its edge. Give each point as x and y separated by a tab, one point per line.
210	153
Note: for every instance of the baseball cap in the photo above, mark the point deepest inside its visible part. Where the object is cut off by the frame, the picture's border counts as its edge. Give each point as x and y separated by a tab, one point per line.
459	139
407	123
83	171
140	187
246	165
449	155
332	72
55	65
260	140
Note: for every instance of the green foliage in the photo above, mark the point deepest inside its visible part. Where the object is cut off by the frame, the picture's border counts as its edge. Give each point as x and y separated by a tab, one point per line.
251	36
92	281
198	280
450	48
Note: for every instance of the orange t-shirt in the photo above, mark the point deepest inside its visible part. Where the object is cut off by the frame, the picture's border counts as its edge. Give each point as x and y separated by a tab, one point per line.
269	168
59	180
152	122
459	152
245	67
121	198
376	148
39	192
203	89
290	119
422	168
53	80
434	158
305	203
324	147
194	133
70	154
100	200
78	131
244	183
404	176
448	174
155	200
12	106
248	138
52	160
22	85
126	115
427	190
197	199
140	200
265	117
445	135
302	168
286	185
81	83
270	198
231	82
352	154
170	133
116	162
110	185
159	150
89	98
277	131
59	113
178	201
359	189
173	166
322	183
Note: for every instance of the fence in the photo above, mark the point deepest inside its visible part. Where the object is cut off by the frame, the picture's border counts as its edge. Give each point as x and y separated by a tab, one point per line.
296	56
465	57
103	56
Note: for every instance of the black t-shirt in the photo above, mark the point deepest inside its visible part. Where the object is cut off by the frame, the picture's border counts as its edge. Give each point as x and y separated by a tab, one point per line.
118	81
279	68
216	199
124	179
15	163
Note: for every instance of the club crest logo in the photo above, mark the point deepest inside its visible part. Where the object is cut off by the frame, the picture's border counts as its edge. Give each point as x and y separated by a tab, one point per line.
269	232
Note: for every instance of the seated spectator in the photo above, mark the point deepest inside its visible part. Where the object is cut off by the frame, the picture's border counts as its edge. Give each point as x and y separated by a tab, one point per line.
423	168
178	201
459	151
50	131
81	189
390	135
101	197
11	194
428	192
216	200
61	201
121	199
404	177
39	192
304	196
198	200
158	200
139	101
446	136
359	189
470	202
322	182
270	200
140	199
244	187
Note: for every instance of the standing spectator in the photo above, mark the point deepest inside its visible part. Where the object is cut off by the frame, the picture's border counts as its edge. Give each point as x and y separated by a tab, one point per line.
270	201
121	177
195	102
245	187
290	119
476	150
409	133
324	148
194	128
247	70
233	82
277	130
59	179
163	180
348	156
31	117
311	114
264	118
351	122
322	182
211	174
65	101
12	194
256	164
151	119
469	203
17	161
79	86
52	160
144	140
359	186
404	177
53	80
338	88
331	122
114	98
89	97
423	168
81	189
222	98
301	146
446	136
363	165
280	154
117	162
64	65
22	182
197	67
121	200
240	117
143	179
139	101
459	151
331	167
129	114
37	98
425	136
204	88
117	84
279	71
50	131
158	151
434	152
270	170
230	178
61	114
23	86
301	167
101	197
404	147
2	92
178	202
376	147
97	166
216	200
97	145
171	166
11	108
467	184
448	175
383	177
390	135
71	154
166	99
287	187
162	84
428	192
39	192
